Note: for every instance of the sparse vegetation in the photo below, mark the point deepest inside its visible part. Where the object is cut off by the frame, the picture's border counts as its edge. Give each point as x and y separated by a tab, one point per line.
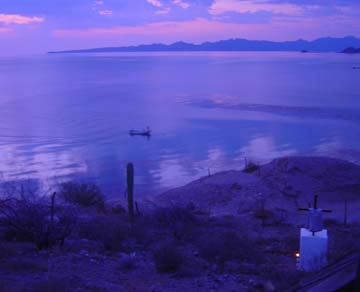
168	258
36	220
179	221
82	194
182	241
59	284
223	245
127	263
118	209
251	167
20	265
107	230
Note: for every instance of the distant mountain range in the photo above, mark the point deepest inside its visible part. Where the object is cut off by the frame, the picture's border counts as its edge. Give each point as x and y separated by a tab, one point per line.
319	45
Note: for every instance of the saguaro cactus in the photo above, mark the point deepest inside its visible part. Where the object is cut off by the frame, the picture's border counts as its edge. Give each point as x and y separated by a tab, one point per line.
130	190
52	210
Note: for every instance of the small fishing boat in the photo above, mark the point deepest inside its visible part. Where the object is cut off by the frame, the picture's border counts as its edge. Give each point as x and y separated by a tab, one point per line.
146	132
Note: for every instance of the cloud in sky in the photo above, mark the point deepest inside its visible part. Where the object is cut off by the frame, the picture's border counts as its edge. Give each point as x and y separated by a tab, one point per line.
105	12
19	19
200	29
125	22
163	11
253	6
196	27
4	30
181	3
155	3
98	7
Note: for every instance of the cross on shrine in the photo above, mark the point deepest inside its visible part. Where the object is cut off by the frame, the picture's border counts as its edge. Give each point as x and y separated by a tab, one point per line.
315	216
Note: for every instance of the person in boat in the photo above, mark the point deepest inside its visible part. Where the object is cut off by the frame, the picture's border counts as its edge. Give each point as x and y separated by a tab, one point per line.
145	132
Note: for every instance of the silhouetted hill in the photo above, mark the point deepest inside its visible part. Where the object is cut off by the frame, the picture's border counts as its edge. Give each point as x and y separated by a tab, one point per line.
351	50
319	45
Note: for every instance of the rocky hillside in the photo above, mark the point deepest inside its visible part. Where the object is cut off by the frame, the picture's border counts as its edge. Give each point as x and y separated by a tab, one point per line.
283	185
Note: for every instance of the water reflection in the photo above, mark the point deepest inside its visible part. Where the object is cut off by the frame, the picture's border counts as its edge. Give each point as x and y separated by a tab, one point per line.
264	149
336	148
67	117
39	162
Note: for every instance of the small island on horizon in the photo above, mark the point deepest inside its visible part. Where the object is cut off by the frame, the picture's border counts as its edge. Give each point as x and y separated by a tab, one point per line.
351	50
328	44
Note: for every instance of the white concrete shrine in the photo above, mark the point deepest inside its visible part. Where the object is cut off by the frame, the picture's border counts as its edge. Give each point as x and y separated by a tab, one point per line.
313	241
313	250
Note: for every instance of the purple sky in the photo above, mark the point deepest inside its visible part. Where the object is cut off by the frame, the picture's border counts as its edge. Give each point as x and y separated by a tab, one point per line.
36	26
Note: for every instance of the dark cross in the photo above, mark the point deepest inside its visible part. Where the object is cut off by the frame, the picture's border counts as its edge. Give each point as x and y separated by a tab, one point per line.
315	216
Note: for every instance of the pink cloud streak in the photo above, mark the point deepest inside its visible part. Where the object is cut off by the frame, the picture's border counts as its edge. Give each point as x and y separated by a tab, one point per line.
19	19
4	30
200	29
193	27
105	12
155	3
246	6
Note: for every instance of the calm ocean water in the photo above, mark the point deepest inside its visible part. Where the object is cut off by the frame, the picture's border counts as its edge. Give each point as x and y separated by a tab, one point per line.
68	116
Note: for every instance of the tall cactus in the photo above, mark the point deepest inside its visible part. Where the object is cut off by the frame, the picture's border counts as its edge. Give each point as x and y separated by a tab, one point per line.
130	190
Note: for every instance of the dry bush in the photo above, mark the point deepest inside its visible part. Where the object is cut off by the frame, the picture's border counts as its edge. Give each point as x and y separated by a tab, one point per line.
36	220
270	217
108	230
8	250
118	209
251	167
275	273
145	231
342	241
58	284
82	194
23	265
127	263
179	221
168	258
220	246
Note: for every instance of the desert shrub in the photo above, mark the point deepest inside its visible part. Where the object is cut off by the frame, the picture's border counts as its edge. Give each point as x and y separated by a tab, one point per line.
57	283
178	220
263	214
332	222
251	167
168	258
118	209
145	231
270	217
221	245
86	195
10	249
21	265
127	263
107	230
275	274
33	220
341	243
